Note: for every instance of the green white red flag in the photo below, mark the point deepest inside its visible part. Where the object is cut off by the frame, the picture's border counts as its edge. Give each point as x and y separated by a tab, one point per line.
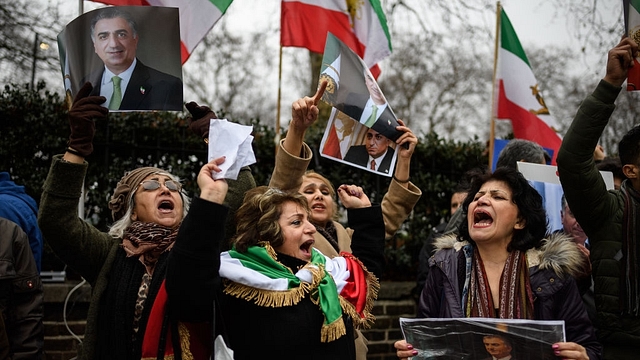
632	25
197	17
359	24
519	96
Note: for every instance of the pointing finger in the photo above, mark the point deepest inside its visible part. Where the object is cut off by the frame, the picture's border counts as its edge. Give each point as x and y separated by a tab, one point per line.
316	98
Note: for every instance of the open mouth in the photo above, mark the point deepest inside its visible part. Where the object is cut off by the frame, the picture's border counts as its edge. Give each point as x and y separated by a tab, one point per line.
306	246
482	218
165	206
318	206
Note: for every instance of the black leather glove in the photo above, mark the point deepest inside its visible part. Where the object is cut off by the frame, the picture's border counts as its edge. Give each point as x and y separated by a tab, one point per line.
84	111
199	120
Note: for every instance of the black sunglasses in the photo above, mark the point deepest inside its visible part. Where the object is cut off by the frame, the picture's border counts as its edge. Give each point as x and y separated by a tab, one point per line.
151	185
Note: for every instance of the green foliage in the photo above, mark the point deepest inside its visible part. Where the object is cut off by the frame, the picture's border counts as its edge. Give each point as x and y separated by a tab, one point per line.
34	128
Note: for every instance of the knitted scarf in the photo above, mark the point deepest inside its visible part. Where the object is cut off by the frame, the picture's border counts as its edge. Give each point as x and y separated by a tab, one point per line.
147	241
330	233
630	290
516	297
257	276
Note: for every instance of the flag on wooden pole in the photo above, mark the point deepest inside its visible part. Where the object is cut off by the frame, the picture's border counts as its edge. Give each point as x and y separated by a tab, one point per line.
519	95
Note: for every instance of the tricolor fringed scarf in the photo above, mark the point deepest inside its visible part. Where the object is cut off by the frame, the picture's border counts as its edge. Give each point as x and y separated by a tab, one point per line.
630	282
342	283
516	297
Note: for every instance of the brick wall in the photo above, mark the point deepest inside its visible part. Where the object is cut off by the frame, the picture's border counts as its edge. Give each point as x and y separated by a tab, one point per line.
394	301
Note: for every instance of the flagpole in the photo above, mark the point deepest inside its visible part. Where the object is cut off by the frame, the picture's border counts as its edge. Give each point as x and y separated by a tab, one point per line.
277	134
493	92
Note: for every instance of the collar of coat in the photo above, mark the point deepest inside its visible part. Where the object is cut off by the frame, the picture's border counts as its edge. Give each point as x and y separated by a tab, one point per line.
557	253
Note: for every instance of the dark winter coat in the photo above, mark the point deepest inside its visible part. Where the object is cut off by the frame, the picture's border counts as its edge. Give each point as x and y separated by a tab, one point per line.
551	272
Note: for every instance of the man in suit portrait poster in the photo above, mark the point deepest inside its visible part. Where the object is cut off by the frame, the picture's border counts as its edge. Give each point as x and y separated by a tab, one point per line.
134	64
375	154
125	81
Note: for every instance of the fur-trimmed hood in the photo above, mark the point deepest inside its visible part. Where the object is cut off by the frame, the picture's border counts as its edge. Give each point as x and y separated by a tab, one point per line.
558	253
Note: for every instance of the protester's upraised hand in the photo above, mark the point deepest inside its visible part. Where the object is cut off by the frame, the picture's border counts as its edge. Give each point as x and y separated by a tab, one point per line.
304	111
82	116
211	189
352	197
200	119
620	60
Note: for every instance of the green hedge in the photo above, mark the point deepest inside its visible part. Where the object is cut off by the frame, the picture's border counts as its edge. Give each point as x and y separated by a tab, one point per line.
34	127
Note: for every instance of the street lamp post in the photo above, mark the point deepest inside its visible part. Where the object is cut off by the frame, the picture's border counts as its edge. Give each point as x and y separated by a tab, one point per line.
33	66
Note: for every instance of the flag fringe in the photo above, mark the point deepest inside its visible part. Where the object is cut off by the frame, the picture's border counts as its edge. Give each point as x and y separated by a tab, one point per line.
333	331
267	298
366	319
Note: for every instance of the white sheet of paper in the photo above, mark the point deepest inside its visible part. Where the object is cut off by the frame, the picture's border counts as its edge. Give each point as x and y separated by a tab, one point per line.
233	141
549	174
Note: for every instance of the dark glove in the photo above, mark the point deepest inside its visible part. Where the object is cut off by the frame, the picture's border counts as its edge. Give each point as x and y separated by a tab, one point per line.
199	120
84	111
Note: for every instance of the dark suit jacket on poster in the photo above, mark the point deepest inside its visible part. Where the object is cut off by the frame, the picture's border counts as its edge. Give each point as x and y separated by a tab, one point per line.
386	122
148	89
358	155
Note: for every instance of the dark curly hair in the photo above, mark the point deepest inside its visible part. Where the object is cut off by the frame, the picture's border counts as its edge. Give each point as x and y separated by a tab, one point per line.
526	198
629	147
257	217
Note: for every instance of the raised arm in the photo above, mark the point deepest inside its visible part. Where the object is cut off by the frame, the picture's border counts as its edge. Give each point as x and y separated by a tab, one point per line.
195	259
294	155
402	195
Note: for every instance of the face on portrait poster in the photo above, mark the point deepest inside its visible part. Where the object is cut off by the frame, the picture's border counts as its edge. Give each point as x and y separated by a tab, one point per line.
144	40
349	142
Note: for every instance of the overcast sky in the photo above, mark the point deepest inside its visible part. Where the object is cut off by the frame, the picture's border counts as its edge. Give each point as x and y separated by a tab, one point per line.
537	23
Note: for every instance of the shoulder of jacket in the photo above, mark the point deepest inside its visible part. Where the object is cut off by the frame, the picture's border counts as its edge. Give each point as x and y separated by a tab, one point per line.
448	241
558	253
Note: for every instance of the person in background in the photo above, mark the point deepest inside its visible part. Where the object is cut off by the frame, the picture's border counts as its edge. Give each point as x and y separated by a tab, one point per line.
457	198
609	218
16	205
21	296
612	163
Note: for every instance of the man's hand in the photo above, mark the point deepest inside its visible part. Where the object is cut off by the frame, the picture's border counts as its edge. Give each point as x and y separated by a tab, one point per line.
620	60
82	116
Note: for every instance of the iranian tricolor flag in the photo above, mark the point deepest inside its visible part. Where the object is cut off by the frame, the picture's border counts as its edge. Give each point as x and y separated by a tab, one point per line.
519	96
197	17
359	24
632	23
